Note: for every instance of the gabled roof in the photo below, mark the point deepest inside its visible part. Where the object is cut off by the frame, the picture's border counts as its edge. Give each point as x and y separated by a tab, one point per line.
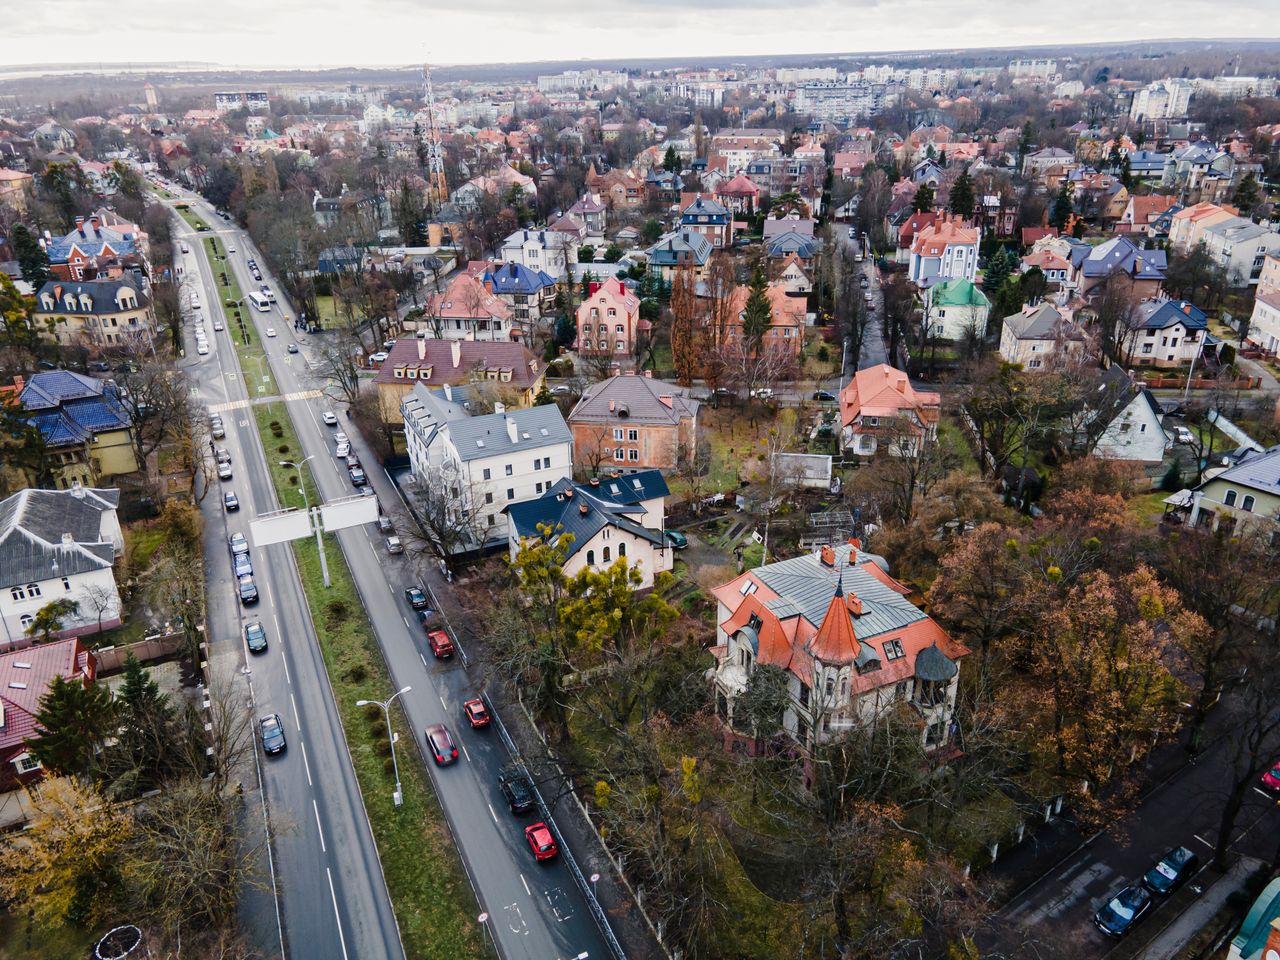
680	247
581	511
466	298
1259	472
25	675
1118	254
706	207
69	408
475	358
1158	314
885	391
1041	322
90	241
516	278
48	533
791	242
959	292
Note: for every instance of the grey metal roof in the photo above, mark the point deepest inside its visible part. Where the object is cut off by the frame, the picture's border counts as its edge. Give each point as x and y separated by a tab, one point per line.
632	488
804	585
934	665
580	513
32	528
489	436
1259	472
639	397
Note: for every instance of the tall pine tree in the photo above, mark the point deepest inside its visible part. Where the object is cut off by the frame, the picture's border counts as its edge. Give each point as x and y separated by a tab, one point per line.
73	719
757	316
923	200
32	260
962	196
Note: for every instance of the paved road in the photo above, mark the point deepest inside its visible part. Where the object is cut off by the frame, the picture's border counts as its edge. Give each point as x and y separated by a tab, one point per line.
873	345
536	911
332	897
1183	811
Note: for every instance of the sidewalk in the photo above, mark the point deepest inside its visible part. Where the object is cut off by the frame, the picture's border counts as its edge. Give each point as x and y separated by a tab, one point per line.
1176	935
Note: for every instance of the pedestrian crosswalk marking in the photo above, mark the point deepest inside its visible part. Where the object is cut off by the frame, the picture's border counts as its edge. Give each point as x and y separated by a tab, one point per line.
287	398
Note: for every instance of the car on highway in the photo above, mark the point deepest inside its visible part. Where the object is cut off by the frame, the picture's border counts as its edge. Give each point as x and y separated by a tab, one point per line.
271	331
292	348
342	449
394	546
224	471
417	598
255	636
272	728
863	282
236	543
541	842
248	590
440	644
352	460
1271	779
341	437
441	744
824	396
216	428
1171	871
222	454
230	502
677	539
266	292
1121	912
385	525
202	347
329	418
242	563
476	713
853	233
218	327
518	792
358	478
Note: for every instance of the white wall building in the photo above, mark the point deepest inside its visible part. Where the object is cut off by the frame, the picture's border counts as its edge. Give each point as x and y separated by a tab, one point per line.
59	545
550	251
1162	100
483	463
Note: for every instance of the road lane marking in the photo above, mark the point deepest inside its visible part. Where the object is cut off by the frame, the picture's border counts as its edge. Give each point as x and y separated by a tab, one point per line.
303	744
526	885
465	754
337	916
442	703
287	679
491	813
295	712
318	827
1203	840
406	622
423	659
1260	791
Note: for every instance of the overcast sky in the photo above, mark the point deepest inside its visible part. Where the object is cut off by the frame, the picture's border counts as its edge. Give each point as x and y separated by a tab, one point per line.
311	33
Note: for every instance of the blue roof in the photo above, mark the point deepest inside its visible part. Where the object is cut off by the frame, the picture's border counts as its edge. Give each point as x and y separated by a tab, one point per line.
1159	314
92	243
583	511
714	211
793	242
1118	253
516	278
680	247
69	408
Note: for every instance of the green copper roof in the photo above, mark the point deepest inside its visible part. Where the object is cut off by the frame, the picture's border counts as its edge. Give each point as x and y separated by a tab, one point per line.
959	293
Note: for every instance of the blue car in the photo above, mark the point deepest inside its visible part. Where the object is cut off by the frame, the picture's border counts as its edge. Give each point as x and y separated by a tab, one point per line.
1121	912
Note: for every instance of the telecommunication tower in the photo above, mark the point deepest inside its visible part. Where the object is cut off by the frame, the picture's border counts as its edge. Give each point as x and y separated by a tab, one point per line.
437	189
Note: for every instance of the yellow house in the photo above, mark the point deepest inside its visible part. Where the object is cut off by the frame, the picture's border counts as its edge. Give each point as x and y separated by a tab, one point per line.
96	313
86	429
1247	494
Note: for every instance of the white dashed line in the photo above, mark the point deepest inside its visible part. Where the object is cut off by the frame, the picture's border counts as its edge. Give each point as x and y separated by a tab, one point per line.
305	763
295	713
526	885
318	827
491	813
423	659
442	703
337	916
465	754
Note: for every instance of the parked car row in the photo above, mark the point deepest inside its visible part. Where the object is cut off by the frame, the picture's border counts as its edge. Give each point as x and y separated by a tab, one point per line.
242	565
1125	908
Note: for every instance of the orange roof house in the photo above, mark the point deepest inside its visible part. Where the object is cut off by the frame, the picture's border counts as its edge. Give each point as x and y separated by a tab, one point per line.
851	642
880	404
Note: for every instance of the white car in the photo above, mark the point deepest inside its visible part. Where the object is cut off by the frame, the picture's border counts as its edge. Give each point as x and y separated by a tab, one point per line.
217	325
330	420
230	248
378	357
271	331
343	449
195	302
341	437
202	347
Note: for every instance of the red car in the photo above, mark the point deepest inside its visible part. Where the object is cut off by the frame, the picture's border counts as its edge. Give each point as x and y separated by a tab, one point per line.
541	842
441	744
476	713
1271	779
441	645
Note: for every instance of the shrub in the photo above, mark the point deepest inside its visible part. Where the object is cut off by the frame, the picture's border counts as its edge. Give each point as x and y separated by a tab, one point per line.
824	353
337	610
389	767
373	712
357	673
382	748
283	448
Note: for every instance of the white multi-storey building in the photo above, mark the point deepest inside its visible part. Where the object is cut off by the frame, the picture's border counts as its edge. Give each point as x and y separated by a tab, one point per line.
581	80
479	465
1042	68
1162	100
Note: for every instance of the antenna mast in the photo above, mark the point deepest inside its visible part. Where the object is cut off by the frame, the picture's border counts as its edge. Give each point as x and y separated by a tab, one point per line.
437	189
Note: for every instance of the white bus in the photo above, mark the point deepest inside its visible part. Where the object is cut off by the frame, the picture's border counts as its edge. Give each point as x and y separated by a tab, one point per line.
260	301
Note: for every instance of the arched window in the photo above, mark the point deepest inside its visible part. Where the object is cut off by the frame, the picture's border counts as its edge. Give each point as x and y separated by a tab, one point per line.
844	689
622	549
591	558
606	554
1230	498
1247	503
33	589
830	687
26	620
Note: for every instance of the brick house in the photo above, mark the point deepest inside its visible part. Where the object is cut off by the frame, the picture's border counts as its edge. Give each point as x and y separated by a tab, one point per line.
25	675
634	423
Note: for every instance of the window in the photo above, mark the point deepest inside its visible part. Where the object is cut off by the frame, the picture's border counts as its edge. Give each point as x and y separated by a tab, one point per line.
1034	363
26	620
591	558
25	763
619	346
871	421
1146	347
619	328
511	493
1247	503
491	519
829	688
546	463
508	469
606	554
617	433
66	583
18	593
33	589
618	454
487	473
633	435
488	497
539	486
892	650
633	456
622	549
1229	500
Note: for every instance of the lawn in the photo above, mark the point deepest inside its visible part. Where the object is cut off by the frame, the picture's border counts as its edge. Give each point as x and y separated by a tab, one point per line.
252	359
193	221
952	435
328	311
1147	507
433	902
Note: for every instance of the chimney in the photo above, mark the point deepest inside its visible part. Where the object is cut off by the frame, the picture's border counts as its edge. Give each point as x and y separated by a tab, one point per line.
568	493
827	556
77	489
856	543
612	406
854	604
422	349
68	540
511	430
96	223
593	288
455	351
648	374
584	509
595	481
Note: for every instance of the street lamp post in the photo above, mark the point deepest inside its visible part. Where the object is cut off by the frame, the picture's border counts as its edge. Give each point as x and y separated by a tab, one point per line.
312	515
397	797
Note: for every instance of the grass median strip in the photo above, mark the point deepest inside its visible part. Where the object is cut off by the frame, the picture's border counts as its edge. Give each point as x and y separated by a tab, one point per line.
253	359
433	902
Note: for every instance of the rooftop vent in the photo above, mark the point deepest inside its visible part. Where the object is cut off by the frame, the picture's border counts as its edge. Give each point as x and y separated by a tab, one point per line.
583	509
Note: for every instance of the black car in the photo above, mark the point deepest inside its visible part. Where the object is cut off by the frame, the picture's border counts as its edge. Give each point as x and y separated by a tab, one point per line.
272	734
248	590
255	636
417	599
824	396
1172	870
1121	912
518	792
231	502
